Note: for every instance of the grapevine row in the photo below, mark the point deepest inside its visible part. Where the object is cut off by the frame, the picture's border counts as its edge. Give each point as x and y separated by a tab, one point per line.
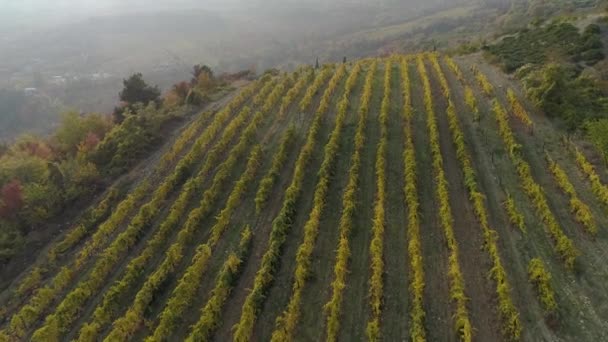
349	205
276	94
261	96
280	228
44	297
211	313
461	316
581	211
376	283
274	172
70	307
286	322
186	287
312	90
541	279
516	217
412	201
111	303
519	110
130	321
471	101
599	189
305	77
509	314
563	245
454	68
483	81
29	314
91	219
187	135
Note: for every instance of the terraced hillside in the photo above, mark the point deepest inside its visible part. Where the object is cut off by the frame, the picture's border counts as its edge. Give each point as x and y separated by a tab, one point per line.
405	198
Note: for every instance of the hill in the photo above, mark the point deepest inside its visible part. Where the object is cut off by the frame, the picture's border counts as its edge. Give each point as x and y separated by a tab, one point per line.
409	197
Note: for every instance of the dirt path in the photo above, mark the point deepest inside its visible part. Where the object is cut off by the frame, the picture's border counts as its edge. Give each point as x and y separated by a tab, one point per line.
395	316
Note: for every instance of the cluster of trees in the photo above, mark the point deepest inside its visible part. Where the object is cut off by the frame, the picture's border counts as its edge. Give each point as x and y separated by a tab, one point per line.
563	89
40	177
534	45
562	92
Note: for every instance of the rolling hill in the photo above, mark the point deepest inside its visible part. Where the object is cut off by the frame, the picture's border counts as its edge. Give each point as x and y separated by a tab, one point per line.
413	197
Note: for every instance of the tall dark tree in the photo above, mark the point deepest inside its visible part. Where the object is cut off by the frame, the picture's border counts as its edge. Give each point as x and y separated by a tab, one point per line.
137	90
317	63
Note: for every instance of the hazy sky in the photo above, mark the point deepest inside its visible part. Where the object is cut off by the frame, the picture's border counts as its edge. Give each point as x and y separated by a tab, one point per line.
92	6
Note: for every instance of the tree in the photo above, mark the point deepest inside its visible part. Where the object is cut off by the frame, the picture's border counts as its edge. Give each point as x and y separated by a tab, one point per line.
75	129
181	89
317	63
137	90
197	70
597	133
205	81
11	198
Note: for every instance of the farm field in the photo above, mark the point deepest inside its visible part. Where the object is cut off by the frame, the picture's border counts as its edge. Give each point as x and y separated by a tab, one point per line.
412	197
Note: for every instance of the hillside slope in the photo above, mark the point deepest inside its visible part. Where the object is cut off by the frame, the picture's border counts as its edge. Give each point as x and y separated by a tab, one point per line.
402	198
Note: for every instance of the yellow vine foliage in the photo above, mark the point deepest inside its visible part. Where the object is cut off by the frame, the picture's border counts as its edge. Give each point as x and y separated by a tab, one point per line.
507	310
269	85
105	312
599	189
376	282
519	110
563	245
484	83
129	323
515	216
211	313
276	94
278	160
185	290
316	85
471	101
581	211
280	229
305	77
288	319
187	135
541	279
71	305
461	316
91	219
349	205
412	201
454	68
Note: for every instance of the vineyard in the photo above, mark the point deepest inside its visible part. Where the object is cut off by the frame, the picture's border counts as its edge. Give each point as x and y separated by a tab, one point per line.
415	197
